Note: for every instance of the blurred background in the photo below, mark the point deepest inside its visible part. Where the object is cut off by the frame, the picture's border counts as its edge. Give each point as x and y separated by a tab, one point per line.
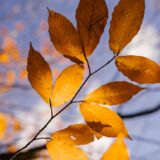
25	21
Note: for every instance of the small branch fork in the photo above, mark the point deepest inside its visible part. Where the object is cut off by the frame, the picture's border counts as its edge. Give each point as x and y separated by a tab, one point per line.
71	102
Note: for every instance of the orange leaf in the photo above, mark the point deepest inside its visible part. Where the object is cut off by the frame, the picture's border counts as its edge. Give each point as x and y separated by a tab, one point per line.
67	84
103	120
126	21
39	74
139	69
117	151
91	18
113	93
60	150
64	37
77	134
3	125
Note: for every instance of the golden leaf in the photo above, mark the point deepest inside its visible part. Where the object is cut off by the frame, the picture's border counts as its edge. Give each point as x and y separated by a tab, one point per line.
67	84
77	134
103	120
126	21
39	74
3	125
60	150
117	151
139	69
91	18
113	93
64	37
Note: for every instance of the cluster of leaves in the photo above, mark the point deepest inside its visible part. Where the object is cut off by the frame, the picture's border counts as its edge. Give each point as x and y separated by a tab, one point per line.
77	45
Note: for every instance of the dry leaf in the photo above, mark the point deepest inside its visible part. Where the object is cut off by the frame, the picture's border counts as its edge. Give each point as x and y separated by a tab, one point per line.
64	37
39	74
117	151
60	150
67	84
77	134
91	18
113	93
103	120
139	69
3	125
126	21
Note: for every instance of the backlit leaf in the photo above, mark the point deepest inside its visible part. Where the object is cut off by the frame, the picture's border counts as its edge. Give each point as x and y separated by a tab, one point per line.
77	134
117	151
103	120
67	84
60	150
126	21
3	125
113	93
139	69
39	74
91	18
64	37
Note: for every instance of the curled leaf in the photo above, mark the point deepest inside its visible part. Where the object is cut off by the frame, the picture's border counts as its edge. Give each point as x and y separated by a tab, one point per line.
91	18
103	120
113	93
60	150
139	69
67	84
126	21
64	37
39	74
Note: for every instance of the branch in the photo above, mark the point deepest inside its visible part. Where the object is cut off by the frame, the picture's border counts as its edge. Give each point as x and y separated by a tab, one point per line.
140	113
53	116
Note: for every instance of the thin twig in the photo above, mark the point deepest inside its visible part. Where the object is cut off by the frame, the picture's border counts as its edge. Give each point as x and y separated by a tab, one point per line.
52	117
51	108
44	138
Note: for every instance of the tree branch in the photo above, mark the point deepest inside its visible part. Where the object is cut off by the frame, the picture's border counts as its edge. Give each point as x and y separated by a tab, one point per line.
53	116
140	113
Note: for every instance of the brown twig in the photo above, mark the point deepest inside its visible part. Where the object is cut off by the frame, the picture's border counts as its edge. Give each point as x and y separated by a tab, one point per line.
53	116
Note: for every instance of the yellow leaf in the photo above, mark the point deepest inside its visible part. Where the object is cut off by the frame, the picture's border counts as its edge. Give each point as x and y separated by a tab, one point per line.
113	93
91	18
126	21
77	134
103	120
60	150
39	74
3	125
139	69
117	151
4	58
64	37
67	84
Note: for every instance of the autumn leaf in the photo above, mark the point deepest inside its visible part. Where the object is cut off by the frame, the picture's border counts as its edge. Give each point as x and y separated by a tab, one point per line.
65	37
117	151
113	93
60	150
91	18
139	69
3	125
39	74
126	21
77	134
103	120
67	84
